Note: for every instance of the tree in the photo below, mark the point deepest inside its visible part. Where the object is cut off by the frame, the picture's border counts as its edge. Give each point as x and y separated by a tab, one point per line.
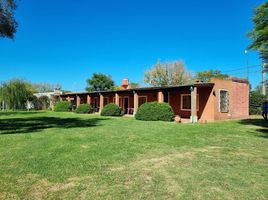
8	24
206	76
100	82
134	85
15	93
165	74
45	87
259	34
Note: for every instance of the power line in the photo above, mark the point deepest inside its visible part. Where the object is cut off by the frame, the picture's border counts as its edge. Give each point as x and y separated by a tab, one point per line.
250	72
242	68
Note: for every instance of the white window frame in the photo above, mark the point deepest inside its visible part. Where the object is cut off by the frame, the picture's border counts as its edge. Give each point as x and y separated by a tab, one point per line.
219	100
197	105
142	97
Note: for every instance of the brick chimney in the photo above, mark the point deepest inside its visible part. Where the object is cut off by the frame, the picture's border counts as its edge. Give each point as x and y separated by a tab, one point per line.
125	84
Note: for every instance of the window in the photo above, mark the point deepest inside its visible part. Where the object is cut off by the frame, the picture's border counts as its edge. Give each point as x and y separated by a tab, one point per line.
186	102
224	101
105	101
142	100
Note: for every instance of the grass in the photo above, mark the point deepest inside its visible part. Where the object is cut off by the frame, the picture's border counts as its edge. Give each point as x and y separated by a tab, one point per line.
45	155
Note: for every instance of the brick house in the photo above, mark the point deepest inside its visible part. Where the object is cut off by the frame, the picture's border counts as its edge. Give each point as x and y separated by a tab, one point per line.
216	100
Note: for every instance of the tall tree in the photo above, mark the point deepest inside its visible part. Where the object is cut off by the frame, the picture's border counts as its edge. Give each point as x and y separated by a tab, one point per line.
8	24
100	82
259	34
169	73
15	93
206	75
134	85
45	87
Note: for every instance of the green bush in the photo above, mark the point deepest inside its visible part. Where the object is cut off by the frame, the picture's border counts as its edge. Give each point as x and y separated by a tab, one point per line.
62	106
256	100
155	111
111	110
83	108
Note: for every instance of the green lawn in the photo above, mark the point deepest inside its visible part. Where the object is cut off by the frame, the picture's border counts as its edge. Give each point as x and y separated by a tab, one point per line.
45	155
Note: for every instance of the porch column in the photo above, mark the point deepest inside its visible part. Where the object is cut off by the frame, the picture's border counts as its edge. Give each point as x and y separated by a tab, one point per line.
160	97
88	99
116	99
77	101
68	99
136	102
193	118
60	98
101	103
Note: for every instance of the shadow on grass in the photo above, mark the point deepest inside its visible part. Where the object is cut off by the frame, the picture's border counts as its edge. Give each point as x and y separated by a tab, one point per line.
261	123
7	113
35	124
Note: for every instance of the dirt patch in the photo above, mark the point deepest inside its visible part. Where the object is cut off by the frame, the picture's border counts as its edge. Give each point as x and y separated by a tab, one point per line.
42	188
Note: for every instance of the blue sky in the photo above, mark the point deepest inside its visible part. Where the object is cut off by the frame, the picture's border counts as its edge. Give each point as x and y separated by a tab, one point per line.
66	41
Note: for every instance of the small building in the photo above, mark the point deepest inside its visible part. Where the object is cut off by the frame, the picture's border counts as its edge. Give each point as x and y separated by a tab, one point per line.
52	96
216	100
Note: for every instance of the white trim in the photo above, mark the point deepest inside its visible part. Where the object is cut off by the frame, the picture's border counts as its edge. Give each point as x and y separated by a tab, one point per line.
219	101
142	97
197	105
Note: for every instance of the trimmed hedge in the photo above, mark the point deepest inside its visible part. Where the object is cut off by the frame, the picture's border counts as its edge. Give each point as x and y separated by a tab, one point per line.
83	108
111	110
62	106
154	111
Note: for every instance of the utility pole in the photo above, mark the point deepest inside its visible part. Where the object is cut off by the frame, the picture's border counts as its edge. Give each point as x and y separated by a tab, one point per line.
264	81
246	56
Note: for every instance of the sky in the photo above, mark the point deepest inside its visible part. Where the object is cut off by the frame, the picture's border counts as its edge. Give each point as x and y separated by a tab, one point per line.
66	41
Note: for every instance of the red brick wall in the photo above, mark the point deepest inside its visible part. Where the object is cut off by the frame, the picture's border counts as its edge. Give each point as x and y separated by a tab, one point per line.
240	100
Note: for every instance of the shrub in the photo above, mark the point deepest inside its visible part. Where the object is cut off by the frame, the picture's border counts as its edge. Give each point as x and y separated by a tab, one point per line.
83	108
155	111
256	100
111	110
62	106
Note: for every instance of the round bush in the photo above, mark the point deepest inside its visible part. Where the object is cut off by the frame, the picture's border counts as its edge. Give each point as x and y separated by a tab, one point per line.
83	108
62	106
154	111
111	110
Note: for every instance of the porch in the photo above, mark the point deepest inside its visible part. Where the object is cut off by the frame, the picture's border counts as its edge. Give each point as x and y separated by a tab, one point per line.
188	102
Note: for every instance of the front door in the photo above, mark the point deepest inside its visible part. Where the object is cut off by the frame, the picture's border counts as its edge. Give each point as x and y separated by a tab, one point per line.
126	105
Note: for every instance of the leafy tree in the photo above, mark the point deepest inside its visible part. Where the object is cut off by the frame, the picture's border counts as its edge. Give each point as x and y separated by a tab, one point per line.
134	85
45	87
256	100
116	87
8	24
44	102
169	73
206	76
100	82
259	34
15	93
